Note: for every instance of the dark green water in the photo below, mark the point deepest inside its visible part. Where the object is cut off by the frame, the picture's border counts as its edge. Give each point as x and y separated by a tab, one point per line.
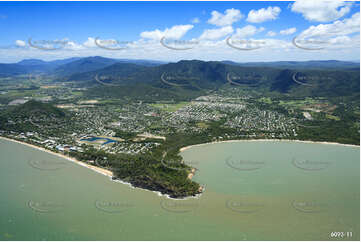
254	191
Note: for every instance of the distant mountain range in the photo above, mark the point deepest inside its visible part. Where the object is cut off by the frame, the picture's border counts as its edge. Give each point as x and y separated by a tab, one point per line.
302	64
195	77
188	77
70	66
65	67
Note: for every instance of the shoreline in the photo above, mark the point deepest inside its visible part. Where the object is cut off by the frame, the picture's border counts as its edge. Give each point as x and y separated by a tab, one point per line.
99	170
83	164
109	173
267	140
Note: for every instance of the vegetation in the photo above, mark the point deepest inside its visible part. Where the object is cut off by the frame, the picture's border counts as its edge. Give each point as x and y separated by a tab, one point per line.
196	104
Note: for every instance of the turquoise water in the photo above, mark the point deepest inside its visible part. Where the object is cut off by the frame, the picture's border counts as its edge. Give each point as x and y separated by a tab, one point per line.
107	140
254	191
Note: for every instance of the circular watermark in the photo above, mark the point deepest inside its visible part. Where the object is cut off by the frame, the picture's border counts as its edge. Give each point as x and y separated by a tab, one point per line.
45	206
309	165
170	80
47	44
100	79
180	206
244	165
309	44
47	165
112	44
309	206
245	205
173	44
114	206
244	44
237	80
303	83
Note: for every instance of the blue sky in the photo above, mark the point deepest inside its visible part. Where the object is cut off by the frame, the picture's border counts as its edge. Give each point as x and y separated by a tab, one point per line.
208	22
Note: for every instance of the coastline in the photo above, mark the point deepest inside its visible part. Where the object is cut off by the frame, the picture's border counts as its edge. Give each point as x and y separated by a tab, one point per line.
109	173
267	140
99	170
83	164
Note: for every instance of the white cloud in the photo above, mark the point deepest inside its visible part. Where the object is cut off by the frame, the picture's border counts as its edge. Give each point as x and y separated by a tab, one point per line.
212	34
337	28
321	10
263	14
339	35
71	45
341	38
288	31
195	21
176	32
247	31
272	50
90	42
229	17
271	33
20	43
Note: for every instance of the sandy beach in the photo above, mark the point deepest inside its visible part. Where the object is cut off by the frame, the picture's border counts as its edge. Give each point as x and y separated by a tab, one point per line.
94	168
99	170
268	140
109	173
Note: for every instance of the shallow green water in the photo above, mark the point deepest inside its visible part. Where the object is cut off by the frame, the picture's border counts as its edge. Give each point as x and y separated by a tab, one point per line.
254	191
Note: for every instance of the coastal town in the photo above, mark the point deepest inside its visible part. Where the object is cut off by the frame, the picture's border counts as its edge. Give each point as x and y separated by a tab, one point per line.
135	133
149	124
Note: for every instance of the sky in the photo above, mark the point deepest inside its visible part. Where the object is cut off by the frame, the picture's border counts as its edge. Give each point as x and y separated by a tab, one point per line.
173	31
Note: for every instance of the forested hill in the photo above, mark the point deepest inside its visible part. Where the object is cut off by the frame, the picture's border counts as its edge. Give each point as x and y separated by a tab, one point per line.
199	76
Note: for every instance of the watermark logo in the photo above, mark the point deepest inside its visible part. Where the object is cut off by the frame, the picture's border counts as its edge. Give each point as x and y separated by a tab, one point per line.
309	206
101	80
172	80
112	44
309	44
45	206
244	44
244	205
309	165
244	165
180	206
237	80
47	44
114	206
173	44
47	165
300	80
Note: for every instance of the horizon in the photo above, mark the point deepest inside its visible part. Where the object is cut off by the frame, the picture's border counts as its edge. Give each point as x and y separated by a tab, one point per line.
163	31
166	62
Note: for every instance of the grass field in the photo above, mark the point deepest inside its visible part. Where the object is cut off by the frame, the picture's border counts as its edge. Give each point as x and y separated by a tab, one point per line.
298	103
169	107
